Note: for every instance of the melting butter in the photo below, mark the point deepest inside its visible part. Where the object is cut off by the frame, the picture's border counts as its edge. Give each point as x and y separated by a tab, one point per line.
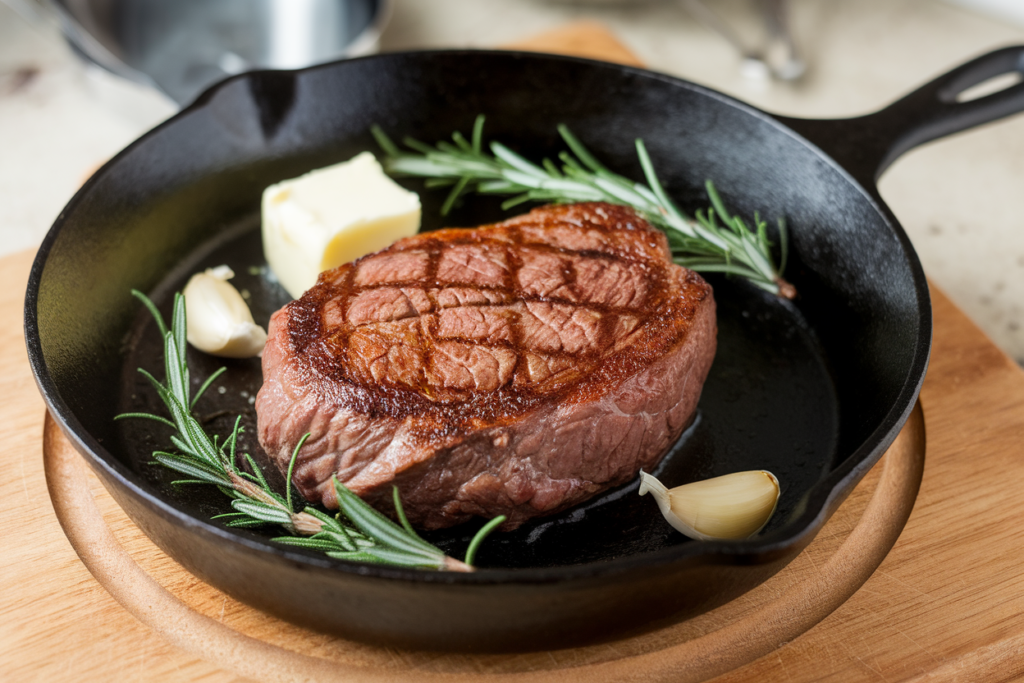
331	216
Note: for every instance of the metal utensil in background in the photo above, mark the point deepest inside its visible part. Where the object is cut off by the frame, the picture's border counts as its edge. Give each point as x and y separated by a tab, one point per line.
180	48
775	14
779	60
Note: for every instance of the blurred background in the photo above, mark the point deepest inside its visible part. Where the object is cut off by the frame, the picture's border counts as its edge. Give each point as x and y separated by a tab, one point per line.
961	199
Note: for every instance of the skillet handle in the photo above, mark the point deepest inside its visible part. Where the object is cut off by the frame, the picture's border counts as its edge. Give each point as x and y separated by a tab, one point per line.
865	146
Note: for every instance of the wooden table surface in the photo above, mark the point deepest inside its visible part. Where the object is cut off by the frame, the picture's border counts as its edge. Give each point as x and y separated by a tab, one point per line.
946	604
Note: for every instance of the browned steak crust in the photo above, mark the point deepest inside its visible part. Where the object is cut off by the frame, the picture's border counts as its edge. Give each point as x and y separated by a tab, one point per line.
517	368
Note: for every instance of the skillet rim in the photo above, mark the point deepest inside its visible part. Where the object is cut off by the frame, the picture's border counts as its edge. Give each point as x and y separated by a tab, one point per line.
821	500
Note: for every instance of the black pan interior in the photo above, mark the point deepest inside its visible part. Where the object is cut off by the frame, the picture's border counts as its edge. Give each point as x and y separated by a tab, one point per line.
809	389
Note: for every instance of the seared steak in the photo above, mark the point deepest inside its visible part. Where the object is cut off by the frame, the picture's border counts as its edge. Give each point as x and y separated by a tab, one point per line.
517	368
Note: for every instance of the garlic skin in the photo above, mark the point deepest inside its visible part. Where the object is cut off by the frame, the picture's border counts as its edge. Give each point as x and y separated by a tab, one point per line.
730	507
219	322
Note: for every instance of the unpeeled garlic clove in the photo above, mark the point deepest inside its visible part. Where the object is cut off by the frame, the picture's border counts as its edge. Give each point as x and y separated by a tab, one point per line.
218	320
732	506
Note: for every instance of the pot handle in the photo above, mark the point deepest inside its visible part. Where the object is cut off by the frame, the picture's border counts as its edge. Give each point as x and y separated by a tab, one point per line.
866	145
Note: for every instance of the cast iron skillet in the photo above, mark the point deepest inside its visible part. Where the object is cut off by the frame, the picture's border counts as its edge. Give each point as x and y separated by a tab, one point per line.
814	390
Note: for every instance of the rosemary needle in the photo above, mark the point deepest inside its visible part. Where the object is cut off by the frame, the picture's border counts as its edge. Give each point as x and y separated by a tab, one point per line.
710	241
357	533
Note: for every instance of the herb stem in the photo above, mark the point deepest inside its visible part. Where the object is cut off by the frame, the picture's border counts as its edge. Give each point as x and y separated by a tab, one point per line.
711	241
484	532
291	469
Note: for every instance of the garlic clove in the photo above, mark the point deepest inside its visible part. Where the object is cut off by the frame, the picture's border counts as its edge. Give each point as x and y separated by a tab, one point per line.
219	322
733	506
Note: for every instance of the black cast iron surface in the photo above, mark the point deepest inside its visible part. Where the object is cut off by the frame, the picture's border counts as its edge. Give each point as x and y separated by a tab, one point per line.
814	390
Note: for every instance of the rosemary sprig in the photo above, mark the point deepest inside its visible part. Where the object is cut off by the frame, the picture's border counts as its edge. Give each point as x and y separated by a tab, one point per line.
357	533
710	241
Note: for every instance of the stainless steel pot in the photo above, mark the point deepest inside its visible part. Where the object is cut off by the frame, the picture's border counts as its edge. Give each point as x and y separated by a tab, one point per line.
182	47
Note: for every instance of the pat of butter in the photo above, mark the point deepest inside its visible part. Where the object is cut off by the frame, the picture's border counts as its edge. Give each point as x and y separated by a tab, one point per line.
331	216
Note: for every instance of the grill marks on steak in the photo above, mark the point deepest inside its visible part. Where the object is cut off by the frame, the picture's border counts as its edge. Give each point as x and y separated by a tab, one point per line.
473	368
455	312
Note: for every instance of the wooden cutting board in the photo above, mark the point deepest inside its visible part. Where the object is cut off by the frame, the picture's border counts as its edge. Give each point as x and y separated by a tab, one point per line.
945	603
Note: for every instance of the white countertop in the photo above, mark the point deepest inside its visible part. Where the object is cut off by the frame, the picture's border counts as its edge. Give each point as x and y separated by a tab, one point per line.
958	198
